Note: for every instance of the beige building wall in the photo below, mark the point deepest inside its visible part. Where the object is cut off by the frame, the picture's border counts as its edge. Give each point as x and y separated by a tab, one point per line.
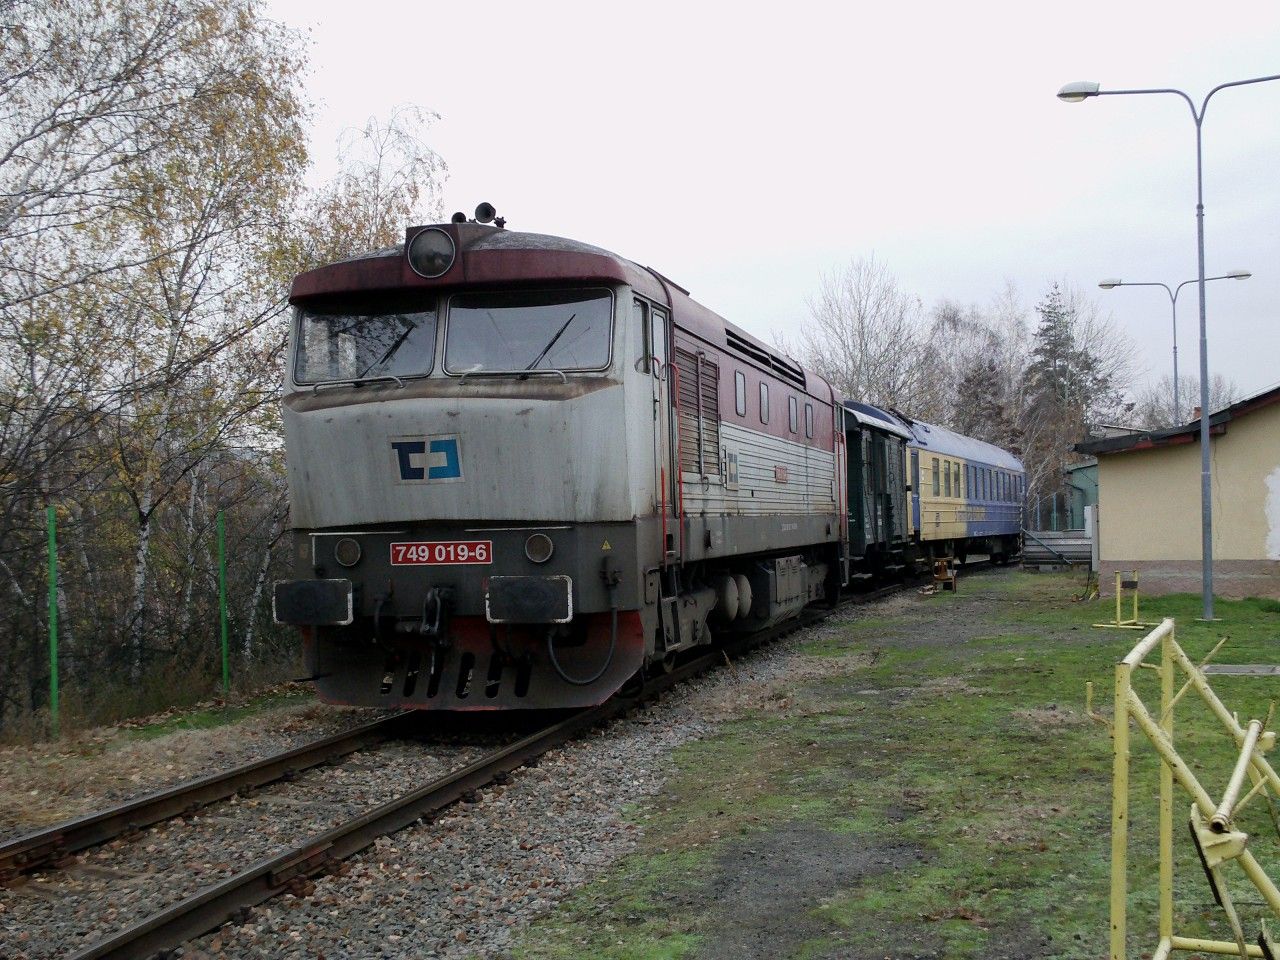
1149	509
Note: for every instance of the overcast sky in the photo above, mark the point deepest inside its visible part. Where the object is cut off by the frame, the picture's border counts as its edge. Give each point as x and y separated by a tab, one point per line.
744	150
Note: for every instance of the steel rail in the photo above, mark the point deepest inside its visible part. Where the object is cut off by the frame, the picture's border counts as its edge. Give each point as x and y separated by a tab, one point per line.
292	870
53	844
209	908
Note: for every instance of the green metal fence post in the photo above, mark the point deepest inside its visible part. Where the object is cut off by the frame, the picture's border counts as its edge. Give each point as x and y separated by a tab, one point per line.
222	599
51	519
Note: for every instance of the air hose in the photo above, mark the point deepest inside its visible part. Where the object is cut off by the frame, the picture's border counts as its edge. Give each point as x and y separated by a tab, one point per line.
611	578
608	660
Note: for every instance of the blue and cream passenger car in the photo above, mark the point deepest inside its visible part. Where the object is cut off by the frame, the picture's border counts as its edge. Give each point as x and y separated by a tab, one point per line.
966	495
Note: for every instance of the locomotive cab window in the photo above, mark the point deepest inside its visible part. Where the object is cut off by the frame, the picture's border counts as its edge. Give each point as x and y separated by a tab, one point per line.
764	402
384	337
793	414
740	393
640	312
510	332
658	339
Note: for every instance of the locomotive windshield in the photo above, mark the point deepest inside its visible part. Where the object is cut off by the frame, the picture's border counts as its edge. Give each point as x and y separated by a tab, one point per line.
350	342
528	330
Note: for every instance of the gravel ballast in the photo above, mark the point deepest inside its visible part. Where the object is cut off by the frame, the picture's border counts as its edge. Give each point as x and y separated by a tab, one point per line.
462	886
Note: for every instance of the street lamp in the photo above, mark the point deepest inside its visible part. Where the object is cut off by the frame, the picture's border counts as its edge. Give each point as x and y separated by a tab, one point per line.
1173	302
1083	90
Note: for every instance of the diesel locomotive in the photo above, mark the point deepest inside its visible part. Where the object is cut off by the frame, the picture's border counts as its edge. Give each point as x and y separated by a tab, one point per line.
524	469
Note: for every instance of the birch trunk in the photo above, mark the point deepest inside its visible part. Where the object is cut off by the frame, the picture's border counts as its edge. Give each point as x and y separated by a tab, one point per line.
184	621
138	606
264	567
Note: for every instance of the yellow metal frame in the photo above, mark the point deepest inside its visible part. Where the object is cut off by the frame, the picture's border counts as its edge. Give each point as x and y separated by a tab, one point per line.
1211	820
1132	623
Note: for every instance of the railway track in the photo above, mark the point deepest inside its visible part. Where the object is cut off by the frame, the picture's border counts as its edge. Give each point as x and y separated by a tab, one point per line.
293	869
52	846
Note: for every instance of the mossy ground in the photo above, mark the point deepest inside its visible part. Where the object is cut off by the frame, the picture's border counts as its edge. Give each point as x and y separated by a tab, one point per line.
221	713
953	796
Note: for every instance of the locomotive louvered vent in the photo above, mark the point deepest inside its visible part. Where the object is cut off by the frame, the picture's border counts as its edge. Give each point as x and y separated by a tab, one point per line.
699	400
783	368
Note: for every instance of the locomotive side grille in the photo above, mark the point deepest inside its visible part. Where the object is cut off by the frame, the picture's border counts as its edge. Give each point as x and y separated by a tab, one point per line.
783	368
699	401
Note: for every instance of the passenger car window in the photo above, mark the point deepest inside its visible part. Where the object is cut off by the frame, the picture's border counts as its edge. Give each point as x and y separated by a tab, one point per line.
808	419
740	392
764	402
946	469
793	414
937	479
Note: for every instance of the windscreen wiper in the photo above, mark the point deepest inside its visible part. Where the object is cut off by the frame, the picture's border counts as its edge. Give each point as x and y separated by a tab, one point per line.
551	343
390	350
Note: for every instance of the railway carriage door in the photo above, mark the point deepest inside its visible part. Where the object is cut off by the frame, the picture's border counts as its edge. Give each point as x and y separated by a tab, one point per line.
666	479
915	490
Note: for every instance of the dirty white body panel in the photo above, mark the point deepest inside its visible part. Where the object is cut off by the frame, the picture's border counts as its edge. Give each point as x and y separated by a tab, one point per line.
527	450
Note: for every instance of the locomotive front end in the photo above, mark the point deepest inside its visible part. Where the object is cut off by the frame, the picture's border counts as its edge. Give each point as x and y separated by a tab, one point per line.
459	454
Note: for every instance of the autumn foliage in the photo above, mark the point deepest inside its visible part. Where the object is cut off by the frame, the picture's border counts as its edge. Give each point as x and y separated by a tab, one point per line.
152	213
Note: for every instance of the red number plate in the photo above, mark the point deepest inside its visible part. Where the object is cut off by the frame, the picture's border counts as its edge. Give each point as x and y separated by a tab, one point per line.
441	552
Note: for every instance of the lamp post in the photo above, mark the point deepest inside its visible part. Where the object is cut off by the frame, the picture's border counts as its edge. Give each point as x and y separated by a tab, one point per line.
1083	90
1173	302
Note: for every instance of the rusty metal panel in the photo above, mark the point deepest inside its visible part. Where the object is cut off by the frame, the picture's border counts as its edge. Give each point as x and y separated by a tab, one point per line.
699	402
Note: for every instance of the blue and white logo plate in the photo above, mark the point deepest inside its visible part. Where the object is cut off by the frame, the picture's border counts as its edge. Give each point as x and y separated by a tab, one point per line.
435	458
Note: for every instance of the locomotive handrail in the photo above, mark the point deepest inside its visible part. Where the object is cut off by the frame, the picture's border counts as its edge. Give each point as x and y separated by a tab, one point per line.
548	371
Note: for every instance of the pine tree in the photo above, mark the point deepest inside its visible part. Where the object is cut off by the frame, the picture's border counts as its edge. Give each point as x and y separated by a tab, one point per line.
1068	385
981	409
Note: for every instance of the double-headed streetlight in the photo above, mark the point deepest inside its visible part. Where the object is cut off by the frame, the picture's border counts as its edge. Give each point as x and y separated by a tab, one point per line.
1173	302
1083	90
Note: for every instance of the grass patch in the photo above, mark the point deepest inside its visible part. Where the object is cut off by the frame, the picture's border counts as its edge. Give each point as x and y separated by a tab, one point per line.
961	759
207	718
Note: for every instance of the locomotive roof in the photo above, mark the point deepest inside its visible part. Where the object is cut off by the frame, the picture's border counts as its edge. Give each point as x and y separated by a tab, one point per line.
488	254
871	416
941	440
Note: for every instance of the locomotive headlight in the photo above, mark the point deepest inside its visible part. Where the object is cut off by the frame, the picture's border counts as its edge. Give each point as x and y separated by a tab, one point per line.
539	548
431	253
347	552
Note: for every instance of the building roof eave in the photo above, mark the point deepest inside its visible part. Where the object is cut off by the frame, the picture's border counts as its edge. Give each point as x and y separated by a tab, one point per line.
1185	434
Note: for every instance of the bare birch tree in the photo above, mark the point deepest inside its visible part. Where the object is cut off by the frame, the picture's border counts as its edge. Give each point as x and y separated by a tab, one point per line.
1154	406
867	336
